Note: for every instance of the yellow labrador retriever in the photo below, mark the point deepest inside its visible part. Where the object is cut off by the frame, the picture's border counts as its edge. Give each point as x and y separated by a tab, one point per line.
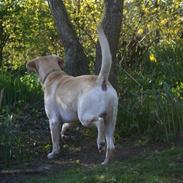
90	99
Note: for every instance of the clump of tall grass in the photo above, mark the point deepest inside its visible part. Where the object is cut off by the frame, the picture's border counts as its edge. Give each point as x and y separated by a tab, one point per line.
151	101
17	89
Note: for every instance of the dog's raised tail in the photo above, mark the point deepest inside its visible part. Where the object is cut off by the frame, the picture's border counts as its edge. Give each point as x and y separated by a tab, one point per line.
106	59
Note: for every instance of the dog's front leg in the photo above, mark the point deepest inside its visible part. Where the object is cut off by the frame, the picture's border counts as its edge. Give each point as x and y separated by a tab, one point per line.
55	136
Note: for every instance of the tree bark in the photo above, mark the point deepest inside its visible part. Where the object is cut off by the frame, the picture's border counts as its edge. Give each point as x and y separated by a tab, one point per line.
112	20
76	62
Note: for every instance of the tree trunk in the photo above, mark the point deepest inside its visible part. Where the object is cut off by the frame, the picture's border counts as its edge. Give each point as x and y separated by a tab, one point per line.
75	59
111	22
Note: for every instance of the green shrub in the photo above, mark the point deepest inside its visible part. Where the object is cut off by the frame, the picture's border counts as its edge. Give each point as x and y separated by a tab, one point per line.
151	100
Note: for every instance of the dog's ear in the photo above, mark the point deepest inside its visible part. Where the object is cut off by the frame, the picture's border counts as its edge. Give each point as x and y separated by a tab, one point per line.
31	66
60	63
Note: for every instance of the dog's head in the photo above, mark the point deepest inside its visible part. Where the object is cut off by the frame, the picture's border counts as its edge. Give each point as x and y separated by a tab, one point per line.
44	64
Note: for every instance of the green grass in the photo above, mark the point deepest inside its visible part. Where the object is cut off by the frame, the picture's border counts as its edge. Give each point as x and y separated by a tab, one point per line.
156	167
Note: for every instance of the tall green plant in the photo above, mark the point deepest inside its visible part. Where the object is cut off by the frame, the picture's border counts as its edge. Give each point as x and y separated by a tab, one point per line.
151	98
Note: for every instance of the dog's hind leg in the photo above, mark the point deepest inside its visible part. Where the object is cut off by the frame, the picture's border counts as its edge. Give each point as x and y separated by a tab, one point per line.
101	134
110	124
55	136
65	127
99	123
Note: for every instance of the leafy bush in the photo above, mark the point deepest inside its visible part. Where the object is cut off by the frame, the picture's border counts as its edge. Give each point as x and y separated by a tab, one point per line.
151	98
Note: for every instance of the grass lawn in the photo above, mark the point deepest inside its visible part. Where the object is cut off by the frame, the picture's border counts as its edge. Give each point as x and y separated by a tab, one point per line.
164	166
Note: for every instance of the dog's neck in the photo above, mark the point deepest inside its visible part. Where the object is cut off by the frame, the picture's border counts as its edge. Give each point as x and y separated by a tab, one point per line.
47	74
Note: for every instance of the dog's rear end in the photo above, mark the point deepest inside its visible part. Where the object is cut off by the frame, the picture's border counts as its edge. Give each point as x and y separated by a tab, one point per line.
110	116
101	103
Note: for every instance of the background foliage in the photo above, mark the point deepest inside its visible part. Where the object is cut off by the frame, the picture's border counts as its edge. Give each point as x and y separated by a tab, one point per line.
150	76
30	31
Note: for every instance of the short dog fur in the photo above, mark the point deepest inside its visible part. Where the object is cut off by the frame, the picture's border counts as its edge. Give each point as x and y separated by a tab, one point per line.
90	99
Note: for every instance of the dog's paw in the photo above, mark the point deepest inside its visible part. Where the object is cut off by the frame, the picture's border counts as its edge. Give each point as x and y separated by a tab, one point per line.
101	147
52	155
65	137
105	162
